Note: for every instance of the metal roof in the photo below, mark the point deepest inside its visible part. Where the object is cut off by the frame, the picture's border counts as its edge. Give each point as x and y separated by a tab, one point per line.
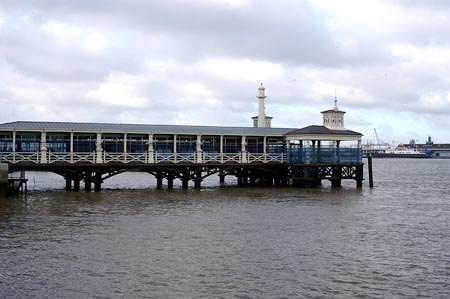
139	128
321	130
333	111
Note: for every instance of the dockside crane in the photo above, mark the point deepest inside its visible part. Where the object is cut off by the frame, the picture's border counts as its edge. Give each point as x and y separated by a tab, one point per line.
376	135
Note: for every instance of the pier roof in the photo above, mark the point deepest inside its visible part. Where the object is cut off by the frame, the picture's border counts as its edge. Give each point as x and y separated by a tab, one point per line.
321	130
323	133
139	128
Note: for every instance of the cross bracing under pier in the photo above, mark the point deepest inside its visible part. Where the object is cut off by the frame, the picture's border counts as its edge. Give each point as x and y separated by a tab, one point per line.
93	152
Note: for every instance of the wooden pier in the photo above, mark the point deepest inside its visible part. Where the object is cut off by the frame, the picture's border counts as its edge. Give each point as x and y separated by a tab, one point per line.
90	153
255	156
91	177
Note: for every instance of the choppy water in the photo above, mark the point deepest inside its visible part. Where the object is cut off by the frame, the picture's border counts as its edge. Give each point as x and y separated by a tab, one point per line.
224	242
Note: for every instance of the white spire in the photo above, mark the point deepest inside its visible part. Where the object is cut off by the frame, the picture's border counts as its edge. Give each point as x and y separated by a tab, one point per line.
261	109
335	101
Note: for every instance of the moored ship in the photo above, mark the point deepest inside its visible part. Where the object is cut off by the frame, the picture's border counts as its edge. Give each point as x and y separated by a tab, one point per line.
395	152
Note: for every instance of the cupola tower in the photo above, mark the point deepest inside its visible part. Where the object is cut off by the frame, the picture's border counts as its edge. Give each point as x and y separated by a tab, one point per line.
333	119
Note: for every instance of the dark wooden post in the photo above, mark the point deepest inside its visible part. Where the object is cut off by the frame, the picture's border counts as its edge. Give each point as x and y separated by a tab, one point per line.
369	161
68	183
88	181
98	181
170	180
198	178
159	179
359	176
337	176
185	178
76	184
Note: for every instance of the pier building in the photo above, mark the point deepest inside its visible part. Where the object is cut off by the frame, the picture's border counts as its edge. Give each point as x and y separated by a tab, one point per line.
261	155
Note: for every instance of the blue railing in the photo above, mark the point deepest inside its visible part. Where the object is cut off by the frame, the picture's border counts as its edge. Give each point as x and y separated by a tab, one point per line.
324	155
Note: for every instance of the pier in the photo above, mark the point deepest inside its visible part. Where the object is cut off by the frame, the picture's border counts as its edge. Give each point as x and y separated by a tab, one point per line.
89	153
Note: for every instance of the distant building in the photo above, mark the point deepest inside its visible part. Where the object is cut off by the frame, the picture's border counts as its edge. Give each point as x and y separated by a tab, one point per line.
436	150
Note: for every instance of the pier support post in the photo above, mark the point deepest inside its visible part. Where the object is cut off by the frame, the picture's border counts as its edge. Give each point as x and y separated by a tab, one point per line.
170	181
68	183
240	180
221	178
369	162
336	183
359	183
185	178
197	183
307	177
337	176
76	184
88	181
98	181
359	176
4	178
198	179
159	179
184	183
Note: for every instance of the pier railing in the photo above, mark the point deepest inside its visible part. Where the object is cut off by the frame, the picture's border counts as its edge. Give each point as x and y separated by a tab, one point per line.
294	155
325	155
138	158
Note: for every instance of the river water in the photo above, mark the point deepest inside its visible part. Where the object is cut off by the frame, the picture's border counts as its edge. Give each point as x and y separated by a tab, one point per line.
132	241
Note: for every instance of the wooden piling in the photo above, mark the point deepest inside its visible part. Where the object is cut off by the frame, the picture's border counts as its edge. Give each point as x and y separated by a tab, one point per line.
159	179
98	181
88	181
170	181
369	163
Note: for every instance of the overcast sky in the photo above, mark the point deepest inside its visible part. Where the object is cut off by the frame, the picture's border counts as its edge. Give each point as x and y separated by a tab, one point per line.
200	62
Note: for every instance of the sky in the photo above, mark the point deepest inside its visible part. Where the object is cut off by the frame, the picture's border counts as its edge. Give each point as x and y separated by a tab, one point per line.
200	62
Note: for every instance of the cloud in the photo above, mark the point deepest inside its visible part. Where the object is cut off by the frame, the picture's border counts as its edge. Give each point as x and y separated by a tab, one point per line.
200	62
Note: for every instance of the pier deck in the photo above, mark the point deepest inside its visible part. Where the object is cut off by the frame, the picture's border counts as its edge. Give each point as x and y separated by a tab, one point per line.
92	153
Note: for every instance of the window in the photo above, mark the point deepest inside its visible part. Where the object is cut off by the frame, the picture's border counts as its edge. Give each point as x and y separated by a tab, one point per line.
211	144
232	144
163	143
137	143
84	143
186	144
58	142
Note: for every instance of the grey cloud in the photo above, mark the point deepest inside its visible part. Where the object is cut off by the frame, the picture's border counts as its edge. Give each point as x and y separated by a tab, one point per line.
292	34
286	32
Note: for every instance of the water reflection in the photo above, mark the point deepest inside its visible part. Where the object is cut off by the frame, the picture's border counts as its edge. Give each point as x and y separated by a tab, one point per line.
385	242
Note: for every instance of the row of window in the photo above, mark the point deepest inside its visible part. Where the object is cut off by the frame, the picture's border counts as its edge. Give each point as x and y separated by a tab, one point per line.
30	142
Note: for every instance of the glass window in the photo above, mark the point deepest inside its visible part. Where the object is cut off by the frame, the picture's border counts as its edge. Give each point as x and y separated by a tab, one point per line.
232	144
84	143
163	143
211	144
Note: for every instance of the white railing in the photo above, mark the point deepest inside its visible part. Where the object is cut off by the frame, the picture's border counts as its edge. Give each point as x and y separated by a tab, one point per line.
185	157
7	158
59	157
255	158
235	157
165	158
212	157
83	157
20	157
279	157
136	158
104	157
114	157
